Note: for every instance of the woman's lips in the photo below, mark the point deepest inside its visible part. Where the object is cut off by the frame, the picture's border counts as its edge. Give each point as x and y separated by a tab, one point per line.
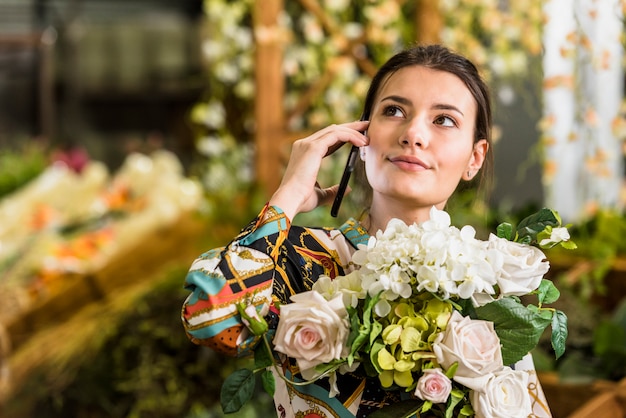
409	163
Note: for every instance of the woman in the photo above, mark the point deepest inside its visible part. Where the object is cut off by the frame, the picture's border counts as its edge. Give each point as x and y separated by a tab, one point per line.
425	128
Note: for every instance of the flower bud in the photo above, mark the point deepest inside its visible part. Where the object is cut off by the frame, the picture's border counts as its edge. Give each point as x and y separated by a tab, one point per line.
251	319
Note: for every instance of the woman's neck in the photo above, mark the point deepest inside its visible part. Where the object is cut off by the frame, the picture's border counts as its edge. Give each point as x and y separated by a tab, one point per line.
380	214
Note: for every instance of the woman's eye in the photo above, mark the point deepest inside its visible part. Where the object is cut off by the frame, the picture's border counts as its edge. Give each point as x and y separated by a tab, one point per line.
393	111
444	120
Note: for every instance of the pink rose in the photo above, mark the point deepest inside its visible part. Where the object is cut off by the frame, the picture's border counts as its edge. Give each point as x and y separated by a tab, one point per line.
433	386
312	330
474	344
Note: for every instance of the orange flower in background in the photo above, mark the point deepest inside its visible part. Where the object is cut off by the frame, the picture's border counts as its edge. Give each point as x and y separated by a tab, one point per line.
586	43
591	117
563	80
117	196
120	197
605	59
597	164
42	217
71	256
567	52
546	122
86	246
549	170
618	127
572	37
591	208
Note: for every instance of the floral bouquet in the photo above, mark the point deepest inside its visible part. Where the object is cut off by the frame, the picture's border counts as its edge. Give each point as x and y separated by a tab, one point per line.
432	310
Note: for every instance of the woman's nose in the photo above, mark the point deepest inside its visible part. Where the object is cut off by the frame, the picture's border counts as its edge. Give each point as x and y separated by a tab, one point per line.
415	135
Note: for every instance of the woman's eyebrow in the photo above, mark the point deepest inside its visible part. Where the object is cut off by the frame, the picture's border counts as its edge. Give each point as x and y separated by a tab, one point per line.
443	106
398	99
407	102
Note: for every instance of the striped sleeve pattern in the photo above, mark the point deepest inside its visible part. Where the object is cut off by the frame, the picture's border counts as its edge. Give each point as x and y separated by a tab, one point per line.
269	261
221	278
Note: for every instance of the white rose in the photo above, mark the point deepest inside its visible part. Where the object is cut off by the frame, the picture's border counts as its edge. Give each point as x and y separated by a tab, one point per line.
521	266
474	344
312	330
504	395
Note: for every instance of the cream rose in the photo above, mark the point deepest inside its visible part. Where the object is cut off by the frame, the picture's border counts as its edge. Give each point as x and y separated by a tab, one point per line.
433	386
312	330
474	344
521	266
504	395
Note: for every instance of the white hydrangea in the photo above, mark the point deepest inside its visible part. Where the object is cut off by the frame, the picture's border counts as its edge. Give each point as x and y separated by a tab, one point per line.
436	257
433	256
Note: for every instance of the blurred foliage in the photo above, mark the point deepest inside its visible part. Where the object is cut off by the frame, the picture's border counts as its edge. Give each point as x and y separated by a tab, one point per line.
19	166
600	241
144	365
596	345
323	82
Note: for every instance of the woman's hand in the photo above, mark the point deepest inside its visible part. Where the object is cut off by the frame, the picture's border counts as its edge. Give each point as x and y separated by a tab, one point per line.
299	191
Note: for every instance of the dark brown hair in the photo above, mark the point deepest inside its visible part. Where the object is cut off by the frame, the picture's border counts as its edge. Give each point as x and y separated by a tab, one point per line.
436	57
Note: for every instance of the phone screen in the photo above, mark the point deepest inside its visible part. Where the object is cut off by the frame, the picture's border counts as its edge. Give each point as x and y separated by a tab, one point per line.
343	184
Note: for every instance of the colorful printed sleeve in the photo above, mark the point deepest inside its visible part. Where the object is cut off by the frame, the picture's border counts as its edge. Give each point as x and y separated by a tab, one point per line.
219	279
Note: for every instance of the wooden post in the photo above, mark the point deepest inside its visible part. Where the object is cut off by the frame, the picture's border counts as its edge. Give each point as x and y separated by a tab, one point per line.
429	22
269	110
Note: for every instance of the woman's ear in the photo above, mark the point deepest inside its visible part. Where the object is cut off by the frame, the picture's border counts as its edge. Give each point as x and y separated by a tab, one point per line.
362	153
362	149
479	153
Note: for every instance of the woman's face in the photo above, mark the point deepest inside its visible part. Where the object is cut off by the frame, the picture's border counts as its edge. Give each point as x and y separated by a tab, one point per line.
421	136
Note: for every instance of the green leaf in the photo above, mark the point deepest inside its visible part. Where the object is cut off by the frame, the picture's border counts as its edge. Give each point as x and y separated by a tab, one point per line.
400	409
545	313
361	331
376	347
453	401
377	328
547	292
531	226
518	327
505	230
559	333
269	383
426	406
452	370
568	245
237	389
466	411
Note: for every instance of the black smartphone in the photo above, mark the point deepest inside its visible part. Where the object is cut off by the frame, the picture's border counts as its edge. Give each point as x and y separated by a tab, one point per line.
343	184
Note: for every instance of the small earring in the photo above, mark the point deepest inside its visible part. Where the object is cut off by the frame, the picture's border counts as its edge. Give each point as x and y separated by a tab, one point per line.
362	153
469	174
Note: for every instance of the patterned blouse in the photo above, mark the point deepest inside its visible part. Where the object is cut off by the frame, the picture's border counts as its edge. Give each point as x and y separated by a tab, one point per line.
271	260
